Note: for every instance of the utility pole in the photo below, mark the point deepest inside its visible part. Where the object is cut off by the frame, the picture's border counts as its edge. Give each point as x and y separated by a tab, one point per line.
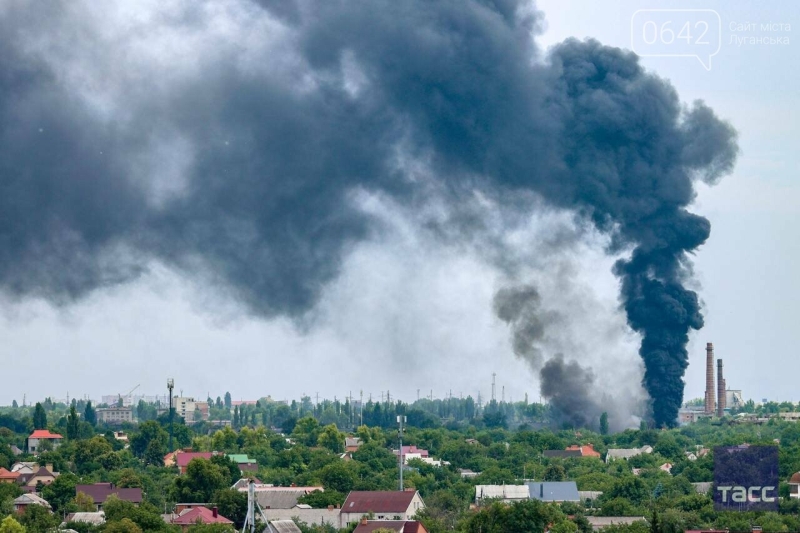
401	419
170	386
493	387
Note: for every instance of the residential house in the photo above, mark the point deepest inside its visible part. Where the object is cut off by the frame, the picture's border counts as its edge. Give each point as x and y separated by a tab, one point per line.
380	505
398	526
504	493
473	442
554	491
7	476
351	444
794	486
29	499
412	452
467	474
200	515
600	522
100	492
283	526
270	497
626	453
587	450
666	467
244	463
39	436
114	415
121	436
15	450
41	474
25	467
97	518
183	458
315	517
702	487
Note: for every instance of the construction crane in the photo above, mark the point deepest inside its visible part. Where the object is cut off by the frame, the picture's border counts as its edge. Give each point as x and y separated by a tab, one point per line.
128	394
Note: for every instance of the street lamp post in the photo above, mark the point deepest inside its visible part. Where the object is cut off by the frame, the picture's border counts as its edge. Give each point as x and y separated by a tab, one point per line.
170	386
401	419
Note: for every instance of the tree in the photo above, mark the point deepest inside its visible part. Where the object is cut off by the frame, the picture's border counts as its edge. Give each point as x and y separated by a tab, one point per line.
84	502
73	424
126	525
228	400
150	431
14	404
331	438
555	473
60	492
604	423
38	519
232	504
9	525
39	417
202	479
89	414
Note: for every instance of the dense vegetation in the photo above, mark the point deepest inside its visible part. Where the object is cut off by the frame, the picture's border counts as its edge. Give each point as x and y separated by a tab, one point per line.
468	436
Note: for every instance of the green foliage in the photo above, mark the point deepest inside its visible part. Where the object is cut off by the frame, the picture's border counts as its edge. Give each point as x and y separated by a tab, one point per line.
89	414
60	492
73	424
9	525
331	438
125	525
39	417
201	480
38	519
604	423
232	504
146	517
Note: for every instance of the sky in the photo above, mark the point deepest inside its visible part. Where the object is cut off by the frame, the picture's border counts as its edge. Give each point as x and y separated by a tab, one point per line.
411	313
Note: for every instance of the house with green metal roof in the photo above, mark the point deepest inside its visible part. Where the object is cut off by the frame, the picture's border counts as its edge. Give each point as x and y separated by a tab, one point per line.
244	462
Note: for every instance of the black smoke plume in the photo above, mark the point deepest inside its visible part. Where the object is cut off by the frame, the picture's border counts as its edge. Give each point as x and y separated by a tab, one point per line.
225	140
569	388
567	385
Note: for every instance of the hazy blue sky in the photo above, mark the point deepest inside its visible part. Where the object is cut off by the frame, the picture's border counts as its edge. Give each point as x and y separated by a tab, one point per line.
406	314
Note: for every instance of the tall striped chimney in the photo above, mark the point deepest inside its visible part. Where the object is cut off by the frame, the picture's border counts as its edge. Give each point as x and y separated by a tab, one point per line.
720	390
709	399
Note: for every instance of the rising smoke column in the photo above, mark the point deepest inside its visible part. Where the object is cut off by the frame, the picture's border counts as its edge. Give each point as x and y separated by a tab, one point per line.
226	141
568	386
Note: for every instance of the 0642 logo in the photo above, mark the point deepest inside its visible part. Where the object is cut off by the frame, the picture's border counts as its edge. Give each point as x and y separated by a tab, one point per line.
746	478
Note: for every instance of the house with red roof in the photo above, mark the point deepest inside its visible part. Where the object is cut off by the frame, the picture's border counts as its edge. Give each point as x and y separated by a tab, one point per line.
399	526
39	436
380	505
199	515
585	451
100	492
7	476
182	458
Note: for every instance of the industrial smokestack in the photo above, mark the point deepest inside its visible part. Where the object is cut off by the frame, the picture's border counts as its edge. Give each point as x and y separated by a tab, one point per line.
709	400
720	390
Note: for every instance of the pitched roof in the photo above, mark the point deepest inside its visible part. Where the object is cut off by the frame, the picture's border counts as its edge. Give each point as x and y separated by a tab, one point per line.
201	514
98	518
377	501
554	491
795	478
400	526
31	499
7	474
586	450
505	492
283	499
599	522
101	491
285	526
44	434
183	458
240	458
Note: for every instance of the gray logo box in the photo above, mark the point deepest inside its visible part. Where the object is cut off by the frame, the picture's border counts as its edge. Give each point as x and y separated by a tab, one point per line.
746	478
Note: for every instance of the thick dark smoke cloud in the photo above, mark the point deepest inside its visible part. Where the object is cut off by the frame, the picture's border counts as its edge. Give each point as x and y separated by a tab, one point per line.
570	387
567	385
231	152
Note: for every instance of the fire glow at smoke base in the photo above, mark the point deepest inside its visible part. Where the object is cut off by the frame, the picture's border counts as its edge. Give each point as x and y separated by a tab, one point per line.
236	165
